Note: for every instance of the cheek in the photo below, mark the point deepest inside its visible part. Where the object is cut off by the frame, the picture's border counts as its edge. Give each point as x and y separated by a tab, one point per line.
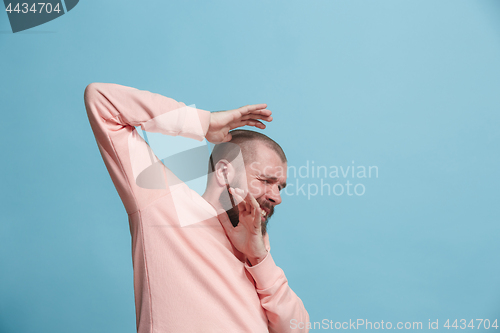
242	184
256	188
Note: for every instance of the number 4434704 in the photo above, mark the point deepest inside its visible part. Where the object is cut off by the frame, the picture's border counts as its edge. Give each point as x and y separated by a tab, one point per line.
462	324
36	8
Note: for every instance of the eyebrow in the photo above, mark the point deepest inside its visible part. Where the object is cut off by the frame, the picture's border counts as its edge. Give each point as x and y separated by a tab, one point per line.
283	185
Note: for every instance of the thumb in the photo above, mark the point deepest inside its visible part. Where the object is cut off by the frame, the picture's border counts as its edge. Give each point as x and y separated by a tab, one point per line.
227	138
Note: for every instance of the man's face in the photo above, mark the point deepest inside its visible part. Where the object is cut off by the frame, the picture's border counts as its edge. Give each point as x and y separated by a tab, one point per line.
265	177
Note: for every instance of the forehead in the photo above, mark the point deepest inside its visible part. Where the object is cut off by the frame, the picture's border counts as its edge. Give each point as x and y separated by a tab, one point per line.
266	162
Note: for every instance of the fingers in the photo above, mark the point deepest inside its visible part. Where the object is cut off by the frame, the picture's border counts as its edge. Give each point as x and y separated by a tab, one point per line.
250	115
239	199
249	210
252	204
243	207
256	213
256	116
255	123
238	194
251	200
254	107
245	203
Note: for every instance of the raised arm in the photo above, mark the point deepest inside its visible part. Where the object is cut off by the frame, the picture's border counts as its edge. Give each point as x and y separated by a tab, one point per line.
114	111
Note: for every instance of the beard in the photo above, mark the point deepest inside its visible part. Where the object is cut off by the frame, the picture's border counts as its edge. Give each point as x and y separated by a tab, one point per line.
234	214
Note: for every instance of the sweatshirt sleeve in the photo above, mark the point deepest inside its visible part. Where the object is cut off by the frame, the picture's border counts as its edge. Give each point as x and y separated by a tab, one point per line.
114	111
283	307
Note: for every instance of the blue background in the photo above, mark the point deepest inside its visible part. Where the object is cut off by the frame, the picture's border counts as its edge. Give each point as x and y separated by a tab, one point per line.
411	87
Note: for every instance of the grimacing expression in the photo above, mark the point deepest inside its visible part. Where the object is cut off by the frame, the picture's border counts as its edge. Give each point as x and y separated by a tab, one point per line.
265	177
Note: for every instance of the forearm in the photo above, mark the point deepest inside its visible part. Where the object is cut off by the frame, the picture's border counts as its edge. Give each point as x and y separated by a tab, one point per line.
279	301
153	112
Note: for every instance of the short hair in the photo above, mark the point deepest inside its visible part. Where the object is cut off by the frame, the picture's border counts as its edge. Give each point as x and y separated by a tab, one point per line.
244	141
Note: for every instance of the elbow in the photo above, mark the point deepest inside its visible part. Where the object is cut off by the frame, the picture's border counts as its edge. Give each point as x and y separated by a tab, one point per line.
93	97
98	101
89	97
91	91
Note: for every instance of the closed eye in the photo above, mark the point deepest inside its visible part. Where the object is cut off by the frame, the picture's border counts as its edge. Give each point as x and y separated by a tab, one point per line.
272	181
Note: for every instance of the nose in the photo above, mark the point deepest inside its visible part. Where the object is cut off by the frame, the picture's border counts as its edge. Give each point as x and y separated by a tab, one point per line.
274	195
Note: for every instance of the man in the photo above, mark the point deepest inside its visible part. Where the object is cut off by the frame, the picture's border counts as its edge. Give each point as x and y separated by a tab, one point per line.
196	269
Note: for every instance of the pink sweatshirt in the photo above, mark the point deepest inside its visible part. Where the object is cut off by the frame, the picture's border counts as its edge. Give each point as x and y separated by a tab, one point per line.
187	275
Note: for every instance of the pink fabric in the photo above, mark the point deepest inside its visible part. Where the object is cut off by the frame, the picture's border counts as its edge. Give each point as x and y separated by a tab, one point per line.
187	278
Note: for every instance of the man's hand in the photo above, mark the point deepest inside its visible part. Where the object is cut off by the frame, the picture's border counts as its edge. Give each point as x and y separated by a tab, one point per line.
246	237
223	121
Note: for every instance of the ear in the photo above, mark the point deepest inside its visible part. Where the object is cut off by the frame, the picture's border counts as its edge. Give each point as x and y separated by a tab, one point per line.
224	171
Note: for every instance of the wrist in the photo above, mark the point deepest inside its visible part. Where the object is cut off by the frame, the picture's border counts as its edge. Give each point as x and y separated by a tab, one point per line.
256	259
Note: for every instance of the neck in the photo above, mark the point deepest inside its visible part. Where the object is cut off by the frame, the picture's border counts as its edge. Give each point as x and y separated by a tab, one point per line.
212	196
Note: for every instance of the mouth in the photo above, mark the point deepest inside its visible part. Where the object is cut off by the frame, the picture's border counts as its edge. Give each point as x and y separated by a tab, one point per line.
264	213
